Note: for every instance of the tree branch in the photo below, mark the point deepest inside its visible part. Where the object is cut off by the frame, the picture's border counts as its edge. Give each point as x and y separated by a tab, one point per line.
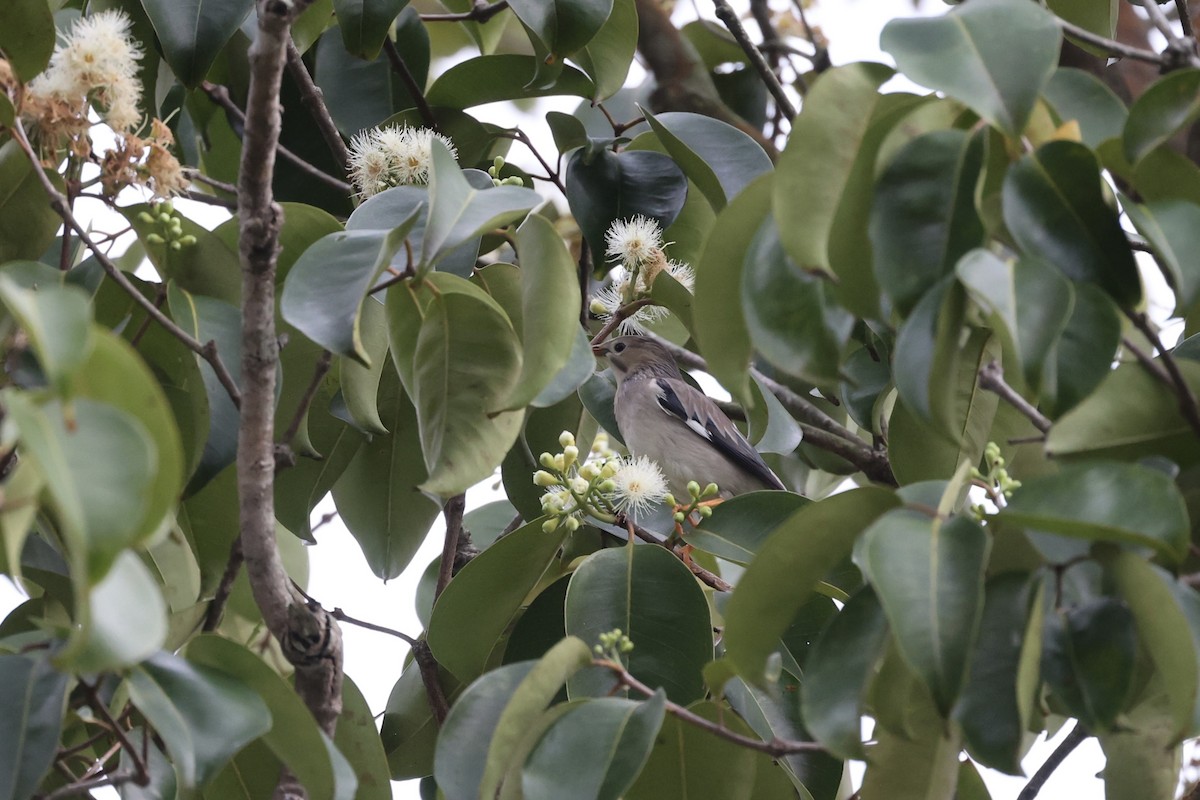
314	100
820	57
704	576
206	350
1111	46
453	511
730	18
623	313
991	378
481	12
309	636
319	372
1072	740
1185	18
216	608
410	82
1167	370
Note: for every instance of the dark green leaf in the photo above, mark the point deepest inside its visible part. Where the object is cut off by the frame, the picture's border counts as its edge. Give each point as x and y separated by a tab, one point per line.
607	57
365	24
58	322
689	762
491	78
579	367
1088	655
1085	351
32	699
192	32
122	621
27	36
357	740
1167	105
27	221
739	526
1078	95
648	594
993	56
1106	501
720	159
359	384
1142	760
927	349
1171	227
563	26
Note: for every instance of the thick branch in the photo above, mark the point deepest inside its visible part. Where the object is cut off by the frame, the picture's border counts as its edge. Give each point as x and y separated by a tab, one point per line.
453	512
314	100
730	18
991	378
1072	740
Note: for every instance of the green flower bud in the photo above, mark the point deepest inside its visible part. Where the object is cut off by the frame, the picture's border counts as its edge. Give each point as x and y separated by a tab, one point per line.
154	238
566	439
187	241
175	245
544	479
572	524
678	516
165	219
704	511
146	217
546	460
607	486
597	308
693	489
550	525
560	463
710	491
570	455
669	499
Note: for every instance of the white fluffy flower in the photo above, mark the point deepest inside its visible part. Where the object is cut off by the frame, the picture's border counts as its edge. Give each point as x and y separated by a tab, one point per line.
639	485
607	300
633	241
381	158
96	61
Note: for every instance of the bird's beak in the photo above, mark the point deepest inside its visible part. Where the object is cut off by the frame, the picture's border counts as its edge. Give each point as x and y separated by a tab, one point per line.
600	350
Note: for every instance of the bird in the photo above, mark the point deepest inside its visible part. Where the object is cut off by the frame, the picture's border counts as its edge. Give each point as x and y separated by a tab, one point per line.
664	418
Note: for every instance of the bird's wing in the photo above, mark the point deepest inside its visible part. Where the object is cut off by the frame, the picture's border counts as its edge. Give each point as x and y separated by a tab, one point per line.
695	409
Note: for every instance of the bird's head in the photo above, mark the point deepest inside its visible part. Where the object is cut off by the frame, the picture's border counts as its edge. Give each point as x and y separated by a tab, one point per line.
630	355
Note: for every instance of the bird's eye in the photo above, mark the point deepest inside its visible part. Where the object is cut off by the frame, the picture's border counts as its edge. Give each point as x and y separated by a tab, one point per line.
618	347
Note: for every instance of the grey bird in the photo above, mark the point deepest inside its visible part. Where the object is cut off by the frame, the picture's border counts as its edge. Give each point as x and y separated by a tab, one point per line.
663	417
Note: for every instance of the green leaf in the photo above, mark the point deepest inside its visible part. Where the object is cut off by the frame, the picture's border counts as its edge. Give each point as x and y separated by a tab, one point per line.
579	367
27	221
1154	598
924	218
993	56
720	325
690	762
492	78
377	496
926	350
1088	658
839	671
801	552
365	24
120	621
357	740
929	576
606	58
550	302
653	598
718	157
204	716
1097	16
359	384
1085	351
192	32
397	203
1171	226
32	699
326	288
739	526
458	211
27	36
1054	205
1168	105
1141	758
58	322
210	267
562	26
1075	94
815	168
995	709
466	359
595	750
481	601
791	319
409	732
536	691
1106	501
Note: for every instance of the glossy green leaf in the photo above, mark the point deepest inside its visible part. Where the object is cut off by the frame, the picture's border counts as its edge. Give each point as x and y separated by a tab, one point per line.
465	737
720	325
924	218
598	393
1077	95
408	731
1169	104
377	496
993	56
994	712
801	551
481	601
565	764
364	24
690	762
491	78
1085	352
550	302
210	267
27	36
192	32
58	321
839	671
720	159
458	211
562	26
32	700
1106	501
27	222
204	716
772	427
926	350
1097	16
648	594
326	288
466	359
1171	227
121	620
1088	658
815	168
357	740
1142	760
607	57
1054	205
359	384
579	367
929	576
397	203
791	319
739	526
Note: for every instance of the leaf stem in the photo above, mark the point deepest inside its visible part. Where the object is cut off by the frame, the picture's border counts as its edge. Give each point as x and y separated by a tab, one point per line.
410	82
314	100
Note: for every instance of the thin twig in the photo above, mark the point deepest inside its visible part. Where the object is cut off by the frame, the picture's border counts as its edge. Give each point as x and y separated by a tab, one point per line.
623	313
820	57
1110	46
709	579
1185	18
480	12
431	678
101	709
730	18
342	616
1159	20
206	350
197	175
453	512
220	95
552	172
991	378
1072	740
85	787
324	361
777	748
216	607
1174	378
210	199
314	100
410	82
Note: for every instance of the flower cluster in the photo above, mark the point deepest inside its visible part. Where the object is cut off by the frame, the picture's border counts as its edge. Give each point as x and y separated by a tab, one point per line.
638	247
170	227
613	645
382	158
494	173
995	482
94	65
148	162
599	487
